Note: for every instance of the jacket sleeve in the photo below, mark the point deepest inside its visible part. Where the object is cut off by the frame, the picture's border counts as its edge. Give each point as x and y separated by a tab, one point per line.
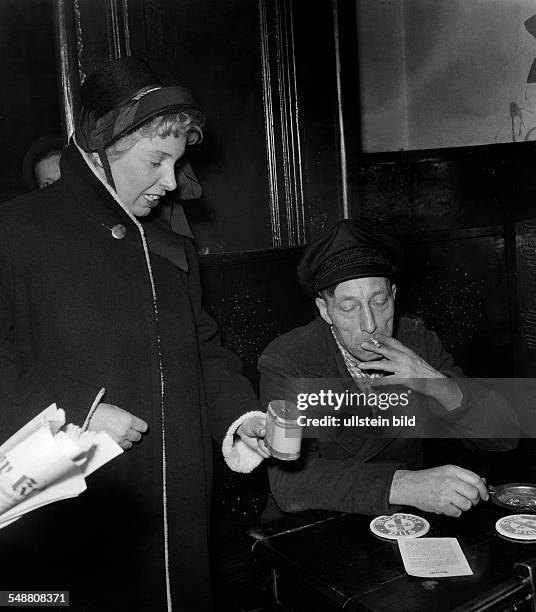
28	388
312	482
485	419
345	485
229	394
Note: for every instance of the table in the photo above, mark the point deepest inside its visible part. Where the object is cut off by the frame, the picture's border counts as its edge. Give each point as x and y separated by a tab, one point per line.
331	561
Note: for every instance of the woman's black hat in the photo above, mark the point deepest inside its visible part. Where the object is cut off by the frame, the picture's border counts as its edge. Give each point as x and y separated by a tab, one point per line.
120	97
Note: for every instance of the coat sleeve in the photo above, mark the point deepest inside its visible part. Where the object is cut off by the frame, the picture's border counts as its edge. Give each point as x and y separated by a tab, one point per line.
229	394
312	482
28	388
485	418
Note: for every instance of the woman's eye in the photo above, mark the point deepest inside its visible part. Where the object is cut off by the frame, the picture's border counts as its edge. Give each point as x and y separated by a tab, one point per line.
155	164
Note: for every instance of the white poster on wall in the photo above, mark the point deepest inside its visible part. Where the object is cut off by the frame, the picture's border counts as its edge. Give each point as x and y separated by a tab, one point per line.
446	73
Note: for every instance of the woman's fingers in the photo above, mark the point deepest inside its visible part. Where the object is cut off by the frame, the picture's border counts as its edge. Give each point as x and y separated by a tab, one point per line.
139	424
133	435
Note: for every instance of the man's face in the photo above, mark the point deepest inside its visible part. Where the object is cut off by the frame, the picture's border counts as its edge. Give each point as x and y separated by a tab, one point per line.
358	309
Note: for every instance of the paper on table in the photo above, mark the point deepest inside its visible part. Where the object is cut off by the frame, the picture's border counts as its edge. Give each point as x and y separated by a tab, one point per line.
434	557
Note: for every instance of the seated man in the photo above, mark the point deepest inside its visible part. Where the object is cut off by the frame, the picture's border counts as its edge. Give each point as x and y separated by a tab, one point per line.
358	343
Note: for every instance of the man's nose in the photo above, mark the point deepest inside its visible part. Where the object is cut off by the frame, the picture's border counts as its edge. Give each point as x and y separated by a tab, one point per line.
367	322
168	180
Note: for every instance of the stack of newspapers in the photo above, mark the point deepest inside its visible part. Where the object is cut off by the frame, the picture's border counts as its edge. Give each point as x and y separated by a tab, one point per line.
47	461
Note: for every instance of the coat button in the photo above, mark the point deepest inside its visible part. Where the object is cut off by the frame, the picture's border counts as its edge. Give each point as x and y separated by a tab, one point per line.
119	231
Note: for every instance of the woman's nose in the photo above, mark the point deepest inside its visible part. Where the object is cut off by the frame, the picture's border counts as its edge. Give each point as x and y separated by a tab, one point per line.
168	180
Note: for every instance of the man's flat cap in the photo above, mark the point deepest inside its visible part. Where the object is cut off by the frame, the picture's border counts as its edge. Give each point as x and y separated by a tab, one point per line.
347	251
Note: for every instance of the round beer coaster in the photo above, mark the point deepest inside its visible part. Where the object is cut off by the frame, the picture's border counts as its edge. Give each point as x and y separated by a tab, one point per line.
517	526
399	525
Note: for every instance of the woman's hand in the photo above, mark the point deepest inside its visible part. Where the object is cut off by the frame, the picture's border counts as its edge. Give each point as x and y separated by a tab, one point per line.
252	432
120	425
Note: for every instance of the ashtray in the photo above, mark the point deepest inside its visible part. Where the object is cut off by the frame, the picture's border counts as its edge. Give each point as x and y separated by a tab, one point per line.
516	496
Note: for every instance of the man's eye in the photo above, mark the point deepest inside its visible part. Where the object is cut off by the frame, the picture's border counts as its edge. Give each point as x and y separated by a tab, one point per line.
347	307
380	302
155	164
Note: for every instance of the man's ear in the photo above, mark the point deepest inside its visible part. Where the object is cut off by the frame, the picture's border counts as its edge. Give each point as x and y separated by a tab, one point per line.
323	310
393	291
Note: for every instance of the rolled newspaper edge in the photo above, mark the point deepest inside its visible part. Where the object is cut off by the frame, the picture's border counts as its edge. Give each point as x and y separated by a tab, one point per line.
36	462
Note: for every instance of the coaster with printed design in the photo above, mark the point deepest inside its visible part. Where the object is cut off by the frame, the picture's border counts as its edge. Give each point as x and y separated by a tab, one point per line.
517	526
399	525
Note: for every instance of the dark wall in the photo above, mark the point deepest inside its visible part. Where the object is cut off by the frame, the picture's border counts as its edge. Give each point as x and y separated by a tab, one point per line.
29	95
216	51
255	297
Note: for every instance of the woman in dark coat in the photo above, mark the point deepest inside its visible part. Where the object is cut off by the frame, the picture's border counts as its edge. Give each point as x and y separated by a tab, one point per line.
100	312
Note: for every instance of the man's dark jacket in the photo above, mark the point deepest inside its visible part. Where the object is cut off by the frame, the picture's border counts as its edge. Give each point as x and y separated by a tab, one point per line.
77	314
350	469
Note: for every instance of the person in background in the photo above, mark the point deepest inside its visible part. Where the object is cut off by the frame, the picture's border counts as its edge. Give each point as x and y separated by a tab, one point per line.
41	163
101	312
360	344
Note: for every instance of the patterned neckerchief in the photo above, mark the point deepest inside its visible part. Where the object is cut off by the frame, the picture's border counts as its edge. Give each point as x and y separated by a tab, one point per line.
351	362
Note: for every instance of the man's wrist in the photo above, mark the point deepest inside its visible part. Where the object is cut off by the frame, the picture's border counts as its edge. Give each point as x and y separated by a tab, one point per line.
398	493
446	391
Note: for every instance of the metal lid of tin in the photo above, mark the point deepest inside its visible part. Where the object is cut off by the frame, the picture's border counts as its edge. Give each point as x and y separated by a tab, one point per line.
284	413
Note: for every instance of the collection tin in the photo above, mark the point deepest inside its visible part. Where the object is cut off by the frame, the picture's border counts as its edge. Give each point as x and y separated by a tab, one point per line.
283	434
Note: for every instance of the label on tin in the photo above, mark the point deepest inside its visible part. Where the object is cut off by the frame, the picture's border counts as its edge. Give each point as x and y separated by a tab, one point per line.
283	434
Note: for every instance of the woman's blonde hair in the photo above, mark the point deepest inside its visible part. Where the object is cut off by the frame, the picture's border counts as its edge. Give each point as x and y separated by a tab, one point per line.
181	123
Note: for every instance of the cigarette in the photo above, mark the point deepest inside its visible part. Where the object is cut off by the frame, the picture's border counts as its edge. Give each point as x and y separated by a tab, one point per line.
375	342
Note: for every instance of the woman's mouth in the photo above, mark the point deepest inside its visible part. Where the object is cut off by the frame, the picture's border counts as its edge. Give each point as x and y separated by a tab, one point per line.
152	198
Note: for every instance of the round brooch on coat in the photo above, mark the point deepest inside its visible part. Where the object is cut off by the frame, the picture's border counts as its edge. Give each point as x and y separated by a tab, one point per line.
399	526
119	231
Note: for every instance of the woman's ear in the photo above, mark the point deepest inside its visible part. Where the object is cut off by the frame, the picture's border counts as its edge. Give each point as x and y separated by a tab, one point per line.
95	160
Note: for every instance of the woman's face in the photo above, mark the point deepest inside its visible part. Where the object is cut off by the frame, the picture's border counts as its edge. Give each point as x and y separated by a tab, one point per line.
145	172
